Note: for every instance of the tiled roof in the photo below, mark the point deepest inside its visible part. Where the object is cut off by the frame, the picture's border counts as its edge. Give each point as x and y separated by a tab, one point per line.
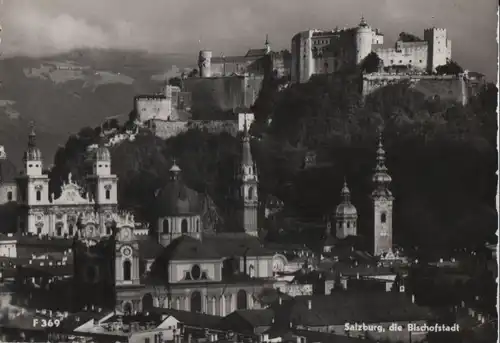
342	307
189	248
324	337
256	53
233	244
193	319
260	317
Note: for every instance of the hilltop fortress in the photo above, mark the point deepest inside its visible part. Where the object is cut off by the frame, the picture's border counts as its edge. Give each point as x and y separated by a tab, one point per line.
218	95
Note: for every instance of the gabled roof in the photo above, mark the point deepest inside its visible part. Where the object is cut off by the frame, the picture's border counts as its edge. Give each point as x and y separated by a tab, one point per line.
189	248
256	53
199	320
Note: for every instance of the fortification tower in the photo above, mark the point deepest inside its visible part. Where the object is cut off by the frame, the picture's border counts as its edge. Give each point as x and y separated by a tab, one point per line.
363	40
382	204
439	47
204	63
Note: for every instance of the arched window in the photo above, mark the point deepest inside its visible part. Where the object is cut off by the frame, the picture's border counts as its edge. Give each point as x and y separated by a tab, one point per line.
127	270
250	193
59	229
127	308
108	194
383	217
147	302
165	226
196	272
197	225
241	300
196	301
184	226
9	196
38	195
70	229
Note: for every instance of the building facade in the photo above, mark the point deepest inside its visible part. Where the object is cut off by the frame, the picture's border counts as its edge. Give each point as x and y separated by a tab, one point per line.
323	52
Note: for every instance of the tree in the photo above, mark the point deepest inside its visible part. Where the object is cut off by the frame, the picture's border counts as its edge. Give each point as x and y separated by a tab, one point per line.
371	63
175	81
408	37
450	68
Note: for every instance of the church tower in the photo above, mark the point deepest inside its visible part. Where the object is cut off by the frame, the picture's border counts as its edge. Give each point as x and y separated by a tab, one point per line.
382	204
249	183
346	215
267	45
104	187
33	186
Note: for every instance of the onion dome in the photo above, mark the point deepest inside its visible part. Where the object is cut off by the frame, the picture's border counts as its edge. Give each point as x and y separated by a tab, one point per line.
32	153
176	199
102	153
346	208
381	178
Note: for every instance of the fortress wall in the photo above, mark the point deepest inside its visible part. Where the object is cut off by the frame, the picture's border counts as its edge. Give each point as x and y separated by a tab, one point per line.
446	87
149	107
416	56
222	93
168	129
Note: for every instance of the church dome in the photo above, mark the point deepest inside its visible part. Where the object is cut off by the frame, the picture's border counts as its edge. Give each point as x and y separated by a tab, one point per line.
33	154
176	199
346	208
102	154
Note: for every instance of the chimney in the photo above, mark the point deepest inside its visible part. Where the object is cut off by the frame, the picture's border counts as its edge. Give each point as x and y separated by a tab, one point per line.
309	304
357	276
280	300
413	298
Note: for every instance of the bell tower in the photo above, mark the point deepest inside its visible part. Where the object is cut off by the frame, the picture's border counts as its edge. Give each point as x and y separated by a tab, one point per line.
248	179
103	186
33	190
382	204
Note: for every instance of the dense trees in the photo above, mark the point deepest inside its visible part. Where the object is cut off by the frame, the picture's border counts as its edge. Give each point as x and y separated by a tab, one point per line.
408	37
450	68
371	63
442	158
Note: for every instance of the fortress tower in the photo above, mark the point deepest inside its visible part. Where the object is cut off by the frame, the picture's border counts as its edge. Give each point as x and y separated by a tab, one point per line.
204	63
439	47
363	40
382	205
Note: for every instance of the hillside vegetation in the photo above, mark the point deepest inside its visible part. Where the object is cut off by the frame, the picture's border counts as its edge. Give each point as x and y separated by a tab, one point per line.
442	158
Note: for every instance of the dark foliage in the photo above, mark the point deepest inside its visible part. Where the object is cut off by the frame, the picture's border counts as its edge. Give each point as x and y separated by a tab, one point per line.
371	63
442	158
450	68
408	37
175	81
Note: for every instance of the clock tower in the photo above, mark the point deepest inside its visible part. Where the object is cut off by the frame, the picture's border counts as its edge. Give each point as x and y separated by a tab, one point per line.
382	204
127	271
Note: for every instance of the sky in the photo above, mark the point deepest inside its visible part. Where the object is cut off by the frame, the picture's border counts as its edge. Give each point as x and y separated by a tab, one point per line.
41	27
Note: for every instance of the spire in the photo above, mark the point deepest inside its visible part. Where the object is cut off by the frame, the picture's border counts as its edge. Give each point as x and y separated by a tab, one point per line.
32	135
381	178
346	193
363	21
267	45
247	152
175	170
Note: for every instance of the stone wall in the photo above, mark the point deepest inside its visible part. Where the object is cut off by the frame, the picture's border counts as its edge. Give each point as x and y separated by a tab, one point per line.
167	129
449	87
220	94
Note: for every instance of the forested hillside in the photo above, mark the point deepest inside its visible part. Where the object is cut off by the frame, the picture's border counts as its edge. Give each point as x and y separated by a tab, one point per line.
442	158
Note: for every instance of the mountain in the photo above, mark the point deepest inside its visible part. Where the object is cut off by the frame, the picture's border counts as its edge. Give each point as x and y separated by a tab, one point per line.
65	92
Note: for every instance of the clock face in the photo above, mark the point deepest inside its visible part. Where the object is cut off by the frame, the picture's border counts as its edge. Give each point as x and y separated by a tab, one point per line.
127	251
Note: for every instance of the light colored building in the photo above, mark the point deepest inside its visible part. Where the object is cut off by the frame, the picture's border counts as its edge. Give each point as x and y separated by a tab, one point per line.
323	52
42	213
